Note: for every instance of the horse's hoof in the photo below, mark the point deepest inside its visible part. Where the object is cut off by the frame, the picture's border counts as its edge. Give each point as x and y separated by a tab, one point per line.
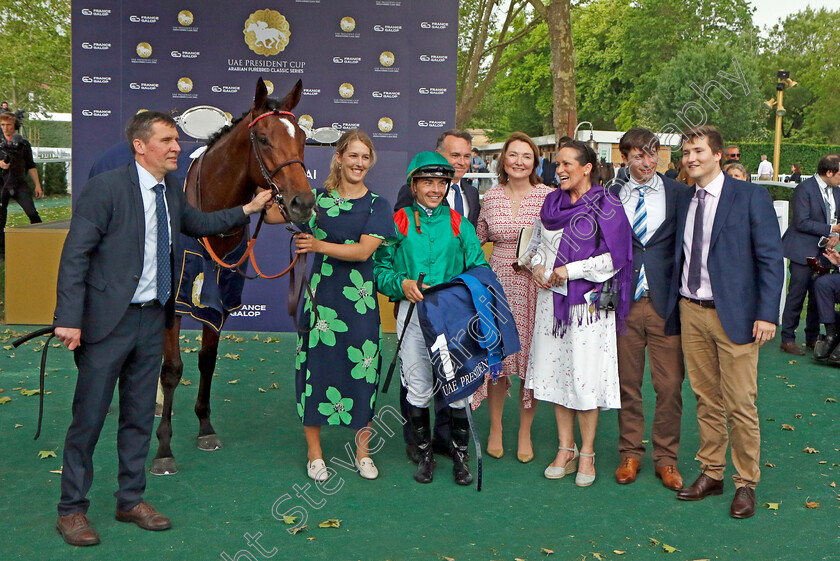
164	466
208	442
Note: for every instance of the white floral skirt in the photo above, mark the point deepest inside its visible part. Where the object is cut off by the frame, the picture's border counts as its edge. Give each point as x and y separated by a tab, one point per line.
578	369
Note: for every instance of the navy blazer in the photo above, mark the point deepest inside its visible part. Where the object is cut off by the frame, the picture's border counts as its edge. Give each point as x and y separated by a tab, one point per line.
405	198
745	261
102	259
658	256
809	221
548	174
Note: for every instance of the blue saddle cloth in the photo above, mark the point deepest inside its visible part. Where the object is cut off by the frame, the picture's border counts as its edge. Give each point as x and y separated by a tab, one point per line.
206	291
468	328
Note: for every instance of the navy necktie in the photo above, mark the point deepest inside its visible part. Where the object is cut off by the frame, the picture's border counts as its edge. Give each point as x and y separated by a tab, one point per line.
164	268
697	244
459	200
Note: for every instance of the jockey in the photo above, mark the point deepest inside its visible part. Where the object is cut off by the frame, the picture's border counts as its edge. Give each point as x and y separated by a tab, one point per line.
434	239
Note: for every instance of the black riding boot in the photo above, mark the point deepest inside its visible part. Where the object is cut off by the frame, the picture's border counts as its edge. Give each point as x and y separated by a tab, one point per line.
460	445
418	417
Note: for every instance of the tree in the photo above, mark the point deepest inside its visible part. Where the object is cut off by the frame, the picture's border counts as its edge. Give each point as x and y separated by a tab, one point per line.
35	66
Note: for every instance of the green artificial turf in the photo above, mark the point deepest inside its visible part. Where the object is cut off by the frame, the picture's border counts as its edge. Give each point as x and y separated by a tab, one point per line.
222	500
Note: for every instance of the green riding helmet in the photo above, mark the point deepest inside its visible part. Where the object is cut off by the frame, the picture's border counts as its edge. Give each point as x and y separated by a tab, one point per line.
429	164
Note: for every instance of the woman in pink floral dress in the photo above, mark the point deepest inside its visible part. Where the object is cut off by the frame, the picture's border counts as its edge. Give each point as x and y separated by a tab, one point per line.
507	208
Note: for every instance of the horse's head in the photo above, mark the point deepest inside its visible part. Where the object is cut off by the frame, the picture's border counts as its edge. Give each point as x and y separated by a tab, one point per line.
278	144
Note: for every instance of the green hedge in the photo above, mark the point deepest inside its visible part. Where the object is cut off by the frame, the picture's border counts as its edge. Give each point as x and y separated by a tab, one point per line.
806	155
49	134
53	178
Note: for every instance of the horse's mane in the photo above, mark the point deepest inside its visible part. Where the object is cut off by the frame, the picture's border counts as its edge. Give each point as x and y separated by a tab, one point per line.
269	105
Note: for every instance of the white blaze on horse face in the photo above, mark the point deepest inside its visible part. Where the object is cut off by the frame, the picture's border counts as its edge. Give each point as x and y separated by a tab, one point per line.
289	127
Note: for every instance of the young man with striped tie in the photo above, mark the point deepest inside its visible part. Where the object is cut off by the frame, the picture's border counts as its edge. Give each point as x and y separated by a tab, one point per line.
649	202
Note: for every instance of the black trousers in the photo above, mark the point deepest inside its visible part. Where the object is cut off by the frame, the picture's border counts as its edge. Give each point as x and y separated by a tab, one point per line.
131	354
799	285
23	196
827	293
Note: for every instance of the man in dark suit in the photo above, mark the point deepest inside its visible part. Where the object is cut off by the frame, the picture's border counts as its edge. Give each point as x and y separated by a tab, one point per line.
728	274
115	284
649	201
816	209
549	170
456	146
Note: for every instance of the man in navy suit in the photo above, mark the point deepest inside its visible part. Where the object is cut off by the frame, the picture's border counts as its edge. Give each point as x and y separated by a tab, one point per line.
114	297
728	274
649	200
456	146
816	209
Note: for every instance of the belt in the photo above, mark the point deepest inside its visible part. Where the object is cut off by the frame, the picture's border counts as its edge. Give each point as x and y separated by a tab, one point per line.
148	304
710	304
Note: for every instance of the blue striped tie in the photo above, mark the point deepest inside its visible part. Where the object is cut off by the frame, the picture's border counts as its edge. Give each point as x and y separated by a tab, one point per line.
640	230
164	269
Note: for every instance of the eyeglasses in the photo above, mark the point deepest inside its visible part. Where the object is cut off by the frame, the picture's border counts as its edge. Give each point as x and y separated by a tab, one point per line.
734	156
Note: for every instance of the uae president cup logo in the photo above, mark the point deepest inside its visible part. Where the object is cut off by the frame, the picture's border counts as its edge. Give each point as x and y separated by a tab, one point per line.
185	18
267	32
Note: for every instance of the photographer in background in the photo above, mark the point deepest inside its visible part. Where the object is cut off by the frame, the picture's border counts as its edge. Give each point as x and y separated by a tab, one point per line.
15	162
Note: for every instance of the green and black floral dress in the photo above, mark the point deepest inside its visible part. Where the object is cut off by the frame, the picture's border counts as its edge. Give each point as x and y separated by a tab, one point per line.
337	364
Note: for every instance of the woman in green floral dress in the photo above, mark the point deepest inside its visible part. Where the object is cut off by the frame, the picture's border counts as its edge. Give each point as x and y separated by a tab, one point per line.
337	365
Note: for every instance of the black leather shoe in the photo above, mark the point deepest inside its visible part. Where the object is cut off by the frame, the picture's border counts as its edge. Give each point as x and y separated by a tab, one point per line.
834	358
743	505
825	346
791	347
701	488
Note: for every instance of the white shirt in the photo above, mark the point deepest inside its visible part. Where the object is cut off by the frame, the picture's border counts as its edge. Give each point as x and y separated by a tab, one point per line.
450	198
828	197
147	286
713	191
654	202
765	168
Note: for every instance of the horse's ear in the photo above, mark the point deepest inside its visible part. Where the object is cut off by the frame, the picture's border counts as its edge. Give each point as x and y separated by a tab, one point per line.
293	97
261	94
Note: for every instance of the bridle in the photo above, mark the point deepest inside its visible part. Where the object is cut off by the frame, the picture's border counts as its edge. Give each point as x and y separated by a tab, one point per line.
275	190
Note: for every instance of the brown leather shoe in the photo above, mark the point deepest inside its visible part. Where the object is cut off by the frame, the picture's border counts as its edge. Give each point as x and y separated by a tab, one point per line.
810	344
743	505
76	530
792	348
700	489
626	472
670	477
145	516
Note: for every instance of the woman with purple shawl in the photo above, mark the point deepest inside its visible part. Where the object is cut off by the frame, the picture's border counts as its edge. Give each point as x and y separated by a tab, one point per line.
584	239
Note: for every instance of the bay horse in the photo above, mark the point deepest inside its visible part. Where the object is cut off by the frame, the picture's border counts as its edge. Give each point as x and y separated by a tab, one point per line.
263	149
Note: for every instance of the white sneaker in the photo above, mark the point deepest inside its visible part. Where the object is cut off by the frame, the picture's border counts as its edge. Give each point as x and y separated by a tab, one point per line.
317	470
367	468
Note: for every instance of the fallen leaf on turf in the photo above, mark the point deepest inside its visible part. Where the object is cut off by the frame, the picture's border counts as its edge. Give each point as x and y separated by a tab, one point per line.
797	416
772	506
830	400
18	425
787	427
44	454
226	399
791	385
299	529
58	471
232	356
546	551
518	559
5	399
653	541
8	347
619	552
290	519
262	390
791	362
311	539
812	504
809	450
822	462
331	523
597	556
262	359
770	419
185	382
782	377
28	393
832	484
233	381
274	386
768	464
668	549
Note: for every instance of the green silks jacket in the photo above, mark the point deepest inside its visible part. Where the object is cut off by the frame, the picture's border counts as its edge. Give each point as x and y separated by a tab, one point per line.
445	247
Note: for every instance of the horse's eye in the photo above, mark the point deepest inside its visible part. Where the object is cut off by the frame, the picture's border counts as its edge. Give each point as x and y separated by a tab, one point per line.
263	140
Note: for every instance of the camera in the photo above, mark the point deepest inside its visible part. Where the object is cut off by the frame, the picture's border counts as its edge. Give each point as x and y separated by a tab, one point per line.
10	148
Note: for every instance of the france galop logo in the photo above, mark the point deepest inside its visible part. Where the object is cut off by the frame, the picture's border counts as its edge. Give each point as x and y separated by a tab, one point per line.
269	85
346	90
185	85
144	50
267	32
386	58
306	121
185	17
347	24
385	124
